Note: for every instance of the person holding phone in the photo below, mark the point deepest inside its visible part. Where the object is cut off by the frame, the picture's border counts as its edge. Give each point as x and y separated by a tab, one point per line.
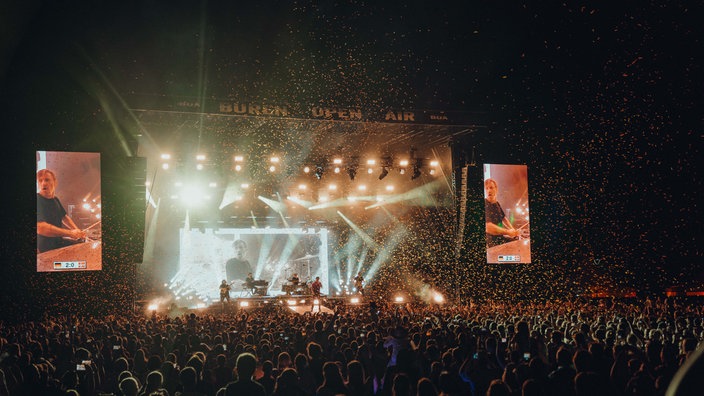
55	228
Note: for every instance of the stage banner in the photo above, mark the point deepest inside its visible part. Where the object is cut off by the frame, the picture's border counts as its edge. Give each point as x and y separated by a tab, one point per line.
308	112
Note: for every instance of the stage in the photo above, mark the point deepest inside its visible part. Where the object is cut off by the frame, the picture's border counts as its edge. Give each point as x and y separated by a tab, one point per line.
299	304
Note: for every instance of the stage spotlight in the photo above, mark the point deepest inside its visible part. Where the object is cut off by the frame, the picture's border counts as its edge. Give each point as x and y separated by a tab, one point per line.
318	172
384	172
403	164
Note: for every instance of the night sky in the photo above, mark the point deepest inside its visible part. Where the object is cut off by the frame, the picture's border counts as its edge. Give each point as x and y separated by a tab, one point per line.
602	100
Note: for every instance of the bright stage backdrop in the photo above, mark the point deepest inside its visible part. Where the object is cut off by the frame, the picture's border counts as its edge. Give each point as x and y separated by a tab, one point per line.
272	254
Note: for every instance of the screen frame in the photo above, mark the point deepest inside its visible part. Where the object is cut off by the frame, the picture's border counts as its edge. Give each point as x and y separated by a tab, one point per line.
513	198
78	187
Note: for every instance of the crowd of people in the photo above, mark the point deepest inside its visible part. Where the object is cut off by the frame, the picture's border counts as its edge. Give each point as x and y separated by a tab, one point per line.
581	347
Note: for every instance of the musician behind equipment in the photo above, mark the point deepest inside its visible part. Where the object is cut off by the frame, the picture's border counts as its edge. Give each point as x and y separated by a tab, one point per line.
249	282
294	279
359	283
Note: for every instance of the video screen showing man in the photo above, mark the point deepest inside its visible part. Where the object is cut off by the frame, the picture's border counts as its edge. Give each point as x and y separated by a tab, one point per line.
68	211
506	213
238	267
498	228
55	228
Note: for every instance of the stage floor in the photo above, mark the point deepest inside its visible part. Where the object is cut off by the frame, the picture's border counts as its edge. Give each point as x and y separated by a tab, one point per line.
297	304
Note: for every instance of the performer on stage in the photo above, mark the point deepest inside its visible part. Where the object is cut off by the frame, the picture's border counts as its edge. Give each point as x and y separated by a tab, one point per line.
224	291
237	267
316	286
359	283
498	227
249	283
53	223
315	289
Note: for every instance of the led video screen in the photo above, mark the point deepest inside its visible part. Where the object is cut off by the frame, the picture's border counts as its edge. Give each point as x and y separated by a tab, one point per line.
69	232
208	256
506	214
